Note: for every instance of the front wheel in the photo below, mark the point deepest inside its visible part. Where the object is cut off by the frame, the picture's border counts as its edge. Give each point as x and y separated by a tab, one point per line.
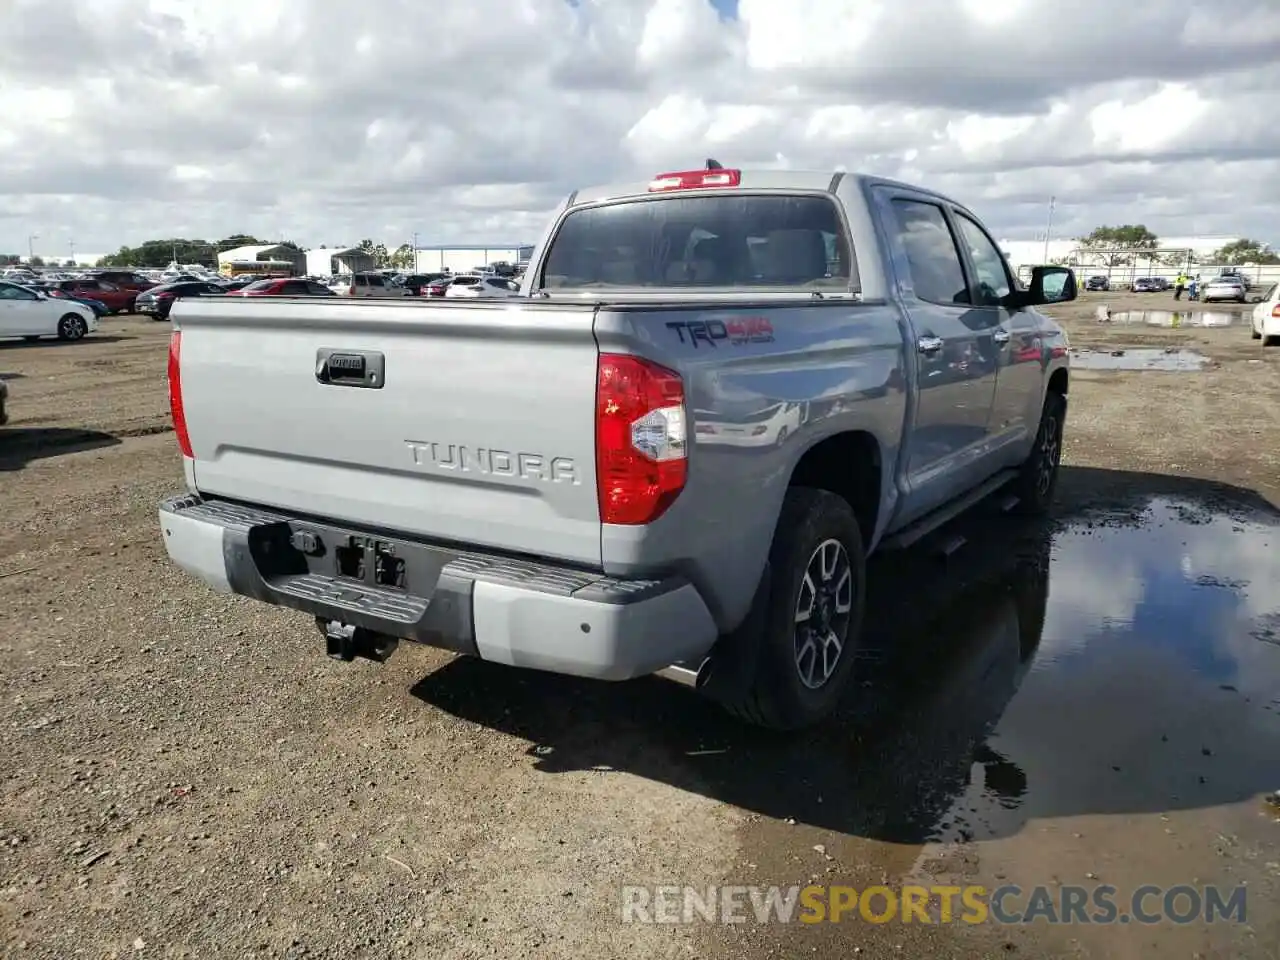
1038	476
72	327
812	618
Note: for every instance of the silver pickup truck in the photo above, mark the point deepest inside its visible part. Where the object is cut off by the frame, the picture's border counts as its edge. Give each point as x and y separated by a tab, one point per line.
719	392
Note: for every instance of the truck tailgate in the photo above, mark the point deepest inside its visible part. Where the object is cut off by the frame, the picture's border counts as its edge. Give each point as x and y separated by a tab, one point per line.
464	422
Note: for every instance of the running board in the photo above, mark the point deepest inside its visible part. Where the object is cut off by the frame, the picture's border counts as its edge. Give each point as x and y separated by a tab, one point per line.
917	531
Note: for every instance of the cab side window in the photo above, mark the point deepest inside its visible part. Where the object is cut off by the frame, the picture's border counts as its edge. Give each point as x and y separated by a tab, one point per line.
932	255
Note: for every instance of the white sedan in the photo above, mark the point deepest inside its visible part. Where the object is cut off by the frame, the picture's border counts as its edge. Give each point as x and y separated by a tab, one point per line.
26	313
1222	288
1266	317
473	285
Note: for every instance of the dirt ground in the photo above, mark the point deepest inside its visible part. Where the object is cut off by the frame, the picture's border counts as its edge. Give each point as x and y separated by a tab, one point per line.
185	774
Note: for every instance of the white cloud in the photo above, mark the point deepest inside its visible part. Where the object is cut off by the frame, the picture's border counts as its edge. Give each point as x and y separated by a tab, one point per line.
126	120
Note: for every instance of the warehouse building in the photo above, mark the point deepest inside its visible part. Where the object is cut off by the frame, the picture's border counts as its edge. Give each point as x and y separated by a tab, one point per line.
334	261
272	258
463	258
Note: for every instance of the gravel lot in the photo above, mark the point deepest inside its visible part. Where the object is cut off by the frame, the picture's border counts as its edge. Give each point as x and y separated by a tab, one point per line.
186	774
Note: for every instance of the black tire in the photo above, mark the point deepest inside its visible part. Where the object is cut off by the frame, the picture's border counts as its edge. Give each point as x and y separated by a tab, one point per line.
1254	334
72	327
1038	477
777	695
1271	342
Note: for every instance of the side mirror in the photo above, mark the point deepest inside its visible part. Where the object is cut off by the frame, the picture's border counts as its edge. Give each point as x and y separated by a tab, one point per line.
1051	285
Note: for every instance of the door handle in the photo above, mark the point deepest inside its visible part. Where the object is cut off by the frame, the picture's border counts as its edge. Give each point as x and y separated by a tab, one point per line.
929	344
1001	336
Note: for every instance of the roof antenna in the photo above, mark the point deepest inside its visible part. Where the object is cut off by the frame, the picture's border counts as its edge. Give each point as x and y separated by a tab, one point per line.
713	164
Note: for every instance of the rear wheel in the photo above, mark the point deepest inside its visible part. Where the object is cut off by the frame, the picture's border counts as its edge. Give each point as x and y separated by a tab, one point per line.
812	617
1038	476
72	327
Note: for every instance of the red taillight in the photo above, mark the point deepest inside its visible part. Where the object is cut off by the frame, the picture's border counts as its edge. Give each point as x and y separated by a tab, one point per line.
175	394
1275	311
164	296
695	180
642	454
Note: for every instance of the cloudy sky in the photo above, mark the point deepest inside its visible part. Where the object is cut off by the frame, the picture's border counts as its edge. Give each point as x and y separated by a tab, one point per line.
325	121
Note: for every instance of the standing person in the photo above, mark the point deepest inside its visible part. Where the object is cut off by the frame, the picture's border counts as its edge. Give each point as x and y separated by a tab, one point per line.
1178	285
1193	288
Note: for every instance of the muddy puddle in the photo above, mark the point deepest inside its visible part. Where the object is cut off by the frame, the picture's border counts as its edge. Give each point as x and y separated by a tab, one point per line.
1177	318
1139	358
1120	665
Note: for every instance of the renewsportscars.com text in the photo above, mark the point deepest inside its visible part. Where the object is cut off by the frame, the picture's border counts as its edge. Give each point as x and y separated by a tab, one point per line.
1010	904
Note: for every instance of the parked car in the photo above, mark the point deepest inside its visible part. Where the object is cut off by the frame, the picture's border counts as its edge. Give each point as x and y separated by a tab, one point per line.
417	284
1224	288
286	287
438	288
124	279
158	301
1097	283
30	314
1238	277
424	492
483	287
367	285
237	283
1147	285
99	308
117	299
1265	318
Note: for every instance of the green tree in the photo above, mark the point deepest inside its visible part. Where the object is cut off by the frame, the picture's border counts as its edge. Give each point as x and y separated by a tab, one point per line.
1245	251
36	262
402	259
377	251
1122	245
9	259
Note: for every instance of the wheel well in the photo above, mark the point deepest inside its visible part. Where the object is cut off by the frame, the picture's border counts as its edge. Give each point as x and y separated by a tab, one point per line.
848	465
1058	382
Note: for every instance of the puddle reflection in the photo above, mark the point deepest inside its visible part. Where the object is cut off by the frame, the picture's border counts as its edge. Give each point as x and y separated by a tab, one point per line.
1176	318
1139	358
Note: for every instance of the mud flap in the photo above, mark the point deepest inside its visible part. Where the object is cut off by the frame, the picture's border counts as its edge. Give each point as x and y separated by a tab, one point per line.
730	670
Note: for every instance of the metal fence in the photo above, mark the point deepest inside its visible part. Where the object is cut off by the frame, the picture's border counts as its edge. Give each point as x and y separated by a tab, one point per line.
1122	276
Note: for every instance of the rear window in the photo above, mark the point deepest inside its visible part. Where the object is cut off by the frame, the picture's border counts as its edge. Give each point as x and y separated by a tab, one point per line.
259	285
734	240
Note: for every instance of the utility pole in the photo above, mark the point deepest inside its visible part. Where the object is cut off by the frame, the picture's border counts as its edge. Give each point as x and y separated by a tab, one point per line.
31	247
415	251
1048	230
72	245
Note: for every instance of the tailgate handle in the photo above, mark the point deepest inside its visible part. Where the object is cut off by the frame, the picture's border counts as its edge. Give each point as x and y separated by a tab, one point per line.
350	368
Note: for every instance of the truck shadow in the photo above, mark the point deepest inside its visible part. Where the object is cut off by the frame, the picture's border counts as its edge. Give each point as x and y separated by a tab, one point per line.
985	697
20	446
91	339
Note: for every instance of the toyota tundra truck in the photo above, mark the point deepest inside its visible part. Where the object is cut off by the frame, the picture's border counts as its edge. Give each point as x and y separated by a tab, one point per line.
587	479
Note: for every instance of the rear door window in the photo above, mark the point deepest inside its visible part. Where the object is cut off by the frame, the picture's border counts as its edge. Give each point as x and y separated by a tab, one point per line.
733	240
